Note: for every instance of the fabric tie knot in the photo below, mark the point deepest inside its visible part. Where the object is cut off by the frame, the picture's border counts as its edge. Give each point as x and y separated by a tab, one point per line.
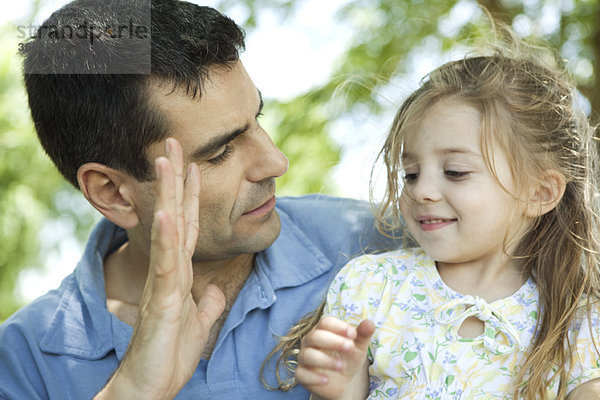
499	335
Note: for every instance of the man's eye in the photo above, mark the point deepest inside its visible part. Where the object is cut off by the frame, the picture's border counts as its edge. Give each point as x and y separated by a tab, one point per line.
456	175
223	156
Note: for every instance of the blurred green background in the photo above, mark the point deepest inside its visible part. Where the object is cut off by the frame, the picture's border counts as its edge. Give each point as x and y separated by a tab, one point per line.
385	43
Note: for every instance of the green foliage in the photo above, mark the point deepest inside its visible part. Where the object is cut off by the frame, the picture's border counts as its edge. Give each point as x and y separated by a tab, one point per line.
32	192
388	34
300	131
27	179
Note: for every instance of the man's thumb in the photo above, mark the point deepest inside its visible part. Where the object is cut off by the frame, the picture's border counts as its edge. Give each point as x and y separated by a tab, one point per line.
211	305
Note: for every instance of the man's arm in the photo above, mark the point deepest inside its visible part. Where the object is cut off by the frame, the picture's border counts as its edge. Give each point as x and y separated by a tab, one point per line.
171	328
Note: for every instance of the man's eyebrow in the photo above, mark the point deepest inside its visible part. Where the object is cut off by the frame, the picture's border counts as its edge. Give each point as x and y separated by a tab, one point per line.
216	143
221	140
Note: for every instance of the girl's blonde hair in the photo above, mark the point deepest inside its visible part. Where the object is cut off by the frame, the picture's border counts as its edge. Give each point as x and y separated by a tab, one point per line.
528	106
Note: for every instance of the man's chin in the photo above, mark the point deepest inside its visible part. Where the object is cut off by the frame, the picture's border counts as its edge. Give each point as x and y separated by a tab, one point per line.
265	236
245	242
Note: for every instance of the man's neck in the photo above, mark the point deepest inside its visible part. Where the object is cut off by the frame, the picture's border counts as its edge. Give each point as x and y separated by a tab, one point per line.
125	273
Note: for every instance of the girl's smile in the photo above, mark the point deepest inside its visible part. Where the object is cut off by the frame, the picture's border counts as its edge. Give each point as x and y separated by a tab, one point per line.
432	223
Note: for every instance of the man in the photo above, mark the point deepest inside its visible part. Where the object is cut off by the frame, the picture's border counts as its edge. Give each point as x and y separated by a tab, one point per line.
196	267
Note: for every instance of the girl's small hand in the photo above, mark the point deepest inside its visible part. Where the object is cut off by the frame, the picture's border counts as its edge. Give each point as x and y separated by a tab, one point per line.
332	363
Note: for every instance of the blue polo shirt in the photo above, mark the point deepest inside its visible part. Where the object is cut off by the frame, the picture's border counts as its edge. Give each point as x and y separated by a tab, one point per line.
66	345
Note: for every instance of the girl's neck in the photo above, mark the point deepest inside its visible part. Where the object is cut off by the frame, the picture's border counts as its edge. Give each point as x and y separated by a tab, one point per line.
489	280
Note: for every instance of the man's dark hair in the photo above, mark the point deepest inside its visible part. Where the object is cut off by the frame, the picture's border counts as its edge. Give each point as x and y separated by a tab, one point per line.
85	112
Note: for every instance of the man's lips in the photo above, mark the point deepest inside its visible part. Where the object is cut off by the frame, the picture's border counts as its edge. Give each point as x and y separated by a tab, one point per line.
264	208
428	223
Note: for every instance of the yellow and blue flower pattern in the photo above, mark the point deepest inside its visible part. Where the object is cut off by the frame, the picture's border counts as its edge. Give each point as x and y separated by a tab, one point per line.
416	351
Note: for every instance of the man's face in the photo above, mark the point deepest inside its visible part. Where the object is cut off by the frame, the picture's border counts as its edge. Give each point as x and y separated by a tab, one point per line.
237	160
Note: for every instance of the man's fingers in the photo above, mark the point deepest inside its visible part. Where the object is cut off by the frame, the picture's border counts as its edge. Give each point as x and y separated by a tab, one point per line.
163	259
175	156
163	251
191	204
165	187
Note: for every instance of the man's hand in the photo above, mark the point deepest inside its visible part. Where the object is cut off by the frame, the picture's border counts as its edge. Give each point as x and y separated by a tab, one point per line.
171	328
332	363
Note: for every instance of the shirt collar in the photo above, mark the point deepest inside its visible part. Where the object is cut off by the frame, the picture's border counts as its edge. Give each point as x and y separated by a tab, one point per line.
293	259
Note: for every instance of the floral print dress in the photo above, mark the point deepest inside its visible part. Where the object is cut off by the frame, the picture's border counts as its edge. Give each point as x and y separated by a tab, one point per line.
416	352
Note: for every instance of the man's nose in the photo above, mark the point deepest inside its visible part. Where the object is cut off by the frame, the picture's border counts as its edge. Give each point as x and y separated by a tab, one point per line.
268	160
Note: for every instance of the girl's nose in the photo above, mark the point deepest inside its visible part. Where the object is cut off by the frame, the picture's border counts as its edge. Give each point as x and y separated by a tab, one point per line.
425	190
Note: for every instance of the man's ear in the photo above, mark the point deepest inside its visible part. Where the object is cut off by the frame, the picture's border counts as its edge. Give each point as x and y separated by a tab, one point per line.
106	189
546	192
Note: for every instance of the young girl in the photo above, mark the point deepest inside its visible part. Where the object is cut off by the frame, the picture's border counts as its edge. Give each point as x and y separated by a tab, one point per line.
493	169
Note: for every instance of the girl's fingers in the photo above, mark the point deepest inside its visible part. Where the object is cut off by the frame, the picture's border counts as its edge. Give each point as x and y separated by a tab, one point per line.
326	340
337	326
364	331
307	377
313	358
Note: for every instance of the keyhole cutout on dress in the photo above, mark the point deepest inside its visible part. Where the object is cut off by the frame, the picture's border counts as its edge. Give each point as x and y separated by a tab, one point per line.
471	328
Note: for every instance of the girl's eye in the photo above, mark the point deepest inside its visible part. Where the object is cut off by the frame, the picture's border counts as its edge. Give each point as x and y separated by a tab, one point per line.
456	175
223	156
410	178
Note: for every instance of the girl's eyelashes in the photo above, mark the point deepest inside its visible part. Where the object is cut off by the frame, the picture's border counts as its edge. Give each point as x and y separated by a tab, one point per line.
456	175
410	177
223	156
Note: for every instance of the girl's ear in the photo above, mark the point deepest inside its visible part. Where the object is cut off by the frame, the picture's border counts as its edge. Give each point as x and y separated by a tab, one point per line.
108	191
546	192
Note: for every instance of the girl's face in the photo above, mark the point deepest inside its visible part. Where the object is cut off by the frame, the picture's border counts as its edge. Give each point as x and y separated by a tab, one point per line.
452	204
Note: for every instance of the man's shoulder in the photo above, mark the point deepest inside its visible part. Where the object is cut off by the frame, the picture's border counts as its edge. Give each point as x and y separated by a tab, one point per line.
31	322
47	346
337	226
318	210
21	337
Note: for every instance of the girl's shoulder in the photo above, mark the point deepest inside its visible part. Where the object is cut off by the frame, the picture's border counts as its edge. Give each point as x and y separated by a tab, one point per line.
587	317
396	263
370	281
